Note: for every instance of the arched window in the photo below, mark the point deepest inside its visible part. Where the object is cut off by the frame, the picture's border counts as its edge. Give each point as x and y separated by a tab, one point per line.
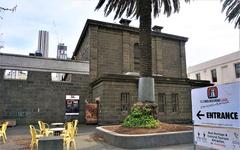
137	55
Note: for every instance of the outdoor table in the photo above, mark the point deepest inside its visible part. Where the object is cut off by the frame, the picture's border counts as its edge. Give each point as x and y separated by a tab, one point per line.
56	131
57	124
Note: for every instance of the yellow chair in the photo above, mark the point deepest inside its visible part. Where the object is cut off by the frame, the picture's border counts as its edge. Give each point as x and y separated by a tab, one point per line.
35	136
3	131
44	128
69	136
67	126
75	123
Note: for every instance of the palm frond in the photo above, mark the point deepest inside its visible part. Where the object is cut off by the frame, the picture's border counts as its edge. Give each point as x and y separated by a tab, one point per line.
100	3
131	7
232	8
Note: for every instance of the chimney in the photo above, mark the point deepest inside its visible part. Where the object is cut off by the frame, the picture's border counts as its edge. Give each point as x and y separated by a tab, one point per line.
157	28
125	22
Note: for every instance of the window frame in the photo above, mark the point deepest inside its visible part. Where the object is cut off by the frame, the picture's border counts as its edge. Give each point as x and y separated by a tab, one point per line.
125	101
175	102
198	76
136	57
214	72
237	74
162	102
16	76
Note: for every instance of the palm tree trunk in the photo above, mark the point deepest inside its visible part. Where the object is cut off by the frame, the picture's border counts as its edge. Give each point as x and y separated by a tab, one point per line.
146	82
145	38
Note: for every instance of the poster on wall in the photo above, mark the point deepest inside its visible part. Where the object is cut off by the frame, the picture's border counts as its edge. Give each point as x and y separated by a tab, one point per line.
72	105
217	138
91	113
217	105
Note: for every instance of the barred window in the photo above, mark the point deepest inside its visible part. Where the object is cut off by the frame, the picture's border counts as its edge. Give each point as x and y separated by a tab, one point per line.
175	102
125	104
161	102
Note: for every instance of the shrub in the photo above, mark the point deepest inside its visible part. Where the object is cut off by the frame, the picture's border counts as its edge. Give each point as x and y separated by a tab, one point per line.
140	117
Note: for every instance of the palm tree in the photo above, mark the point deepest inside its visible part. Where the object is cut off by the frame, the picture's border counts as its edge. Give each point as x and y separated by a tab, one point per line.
142	9
232	8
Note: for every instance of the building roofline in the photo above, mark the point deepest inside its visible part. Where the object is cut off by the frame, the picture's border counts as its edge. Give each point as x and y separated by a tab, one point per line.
121	27
215	62
40	57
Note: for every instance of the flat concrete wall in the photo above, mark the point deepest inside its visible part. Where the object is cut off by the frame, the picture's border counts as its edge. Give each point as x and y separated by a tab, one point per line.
33	63
39	98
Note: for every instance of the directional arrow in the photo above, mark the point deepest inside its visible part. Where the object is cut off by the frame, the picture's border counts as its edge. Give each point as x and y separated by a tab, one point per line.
199	115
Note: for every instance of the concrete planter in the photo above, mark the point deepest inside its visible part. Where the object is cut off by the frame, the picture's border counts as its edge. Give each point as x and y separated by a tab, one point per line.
145	140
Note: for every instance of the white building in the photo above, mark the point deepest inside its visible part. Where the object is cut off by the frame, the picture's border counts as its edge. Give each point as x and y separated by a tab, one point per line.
61	51
225	69
61	54
43	38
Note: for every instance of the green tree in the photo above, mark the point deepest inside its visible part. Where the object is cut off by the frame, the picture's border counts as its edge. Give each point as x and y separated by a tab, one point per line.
232	8
142	9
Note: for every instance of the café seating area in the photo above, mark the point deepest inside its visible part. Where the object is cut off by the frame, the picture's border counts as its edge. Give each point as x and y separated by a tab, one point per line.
67	131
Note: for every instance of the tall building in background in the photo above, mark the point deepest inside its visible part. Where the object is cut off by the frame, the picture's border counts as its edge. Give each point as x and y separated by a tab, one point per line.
61	54
61	51
43	38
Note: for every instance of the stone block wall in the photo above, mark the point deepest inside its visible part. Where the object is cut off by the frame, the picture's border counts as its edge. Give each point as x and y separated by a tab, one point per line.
110	100
109	89
111	51
39	98
183	115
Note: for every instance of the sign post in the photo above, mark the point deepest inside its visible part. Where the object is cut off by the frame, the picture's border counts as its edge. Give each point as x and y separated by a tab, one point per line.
216	116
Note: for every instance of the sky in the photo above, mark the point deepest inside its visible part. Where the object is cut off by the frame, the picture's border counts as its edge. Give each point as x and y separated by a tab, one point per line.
210	36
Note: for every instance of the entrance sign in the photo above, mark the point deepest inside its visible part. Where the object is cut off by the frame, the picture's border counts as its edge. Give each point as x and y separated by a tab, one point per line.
72	105
217	138
217	105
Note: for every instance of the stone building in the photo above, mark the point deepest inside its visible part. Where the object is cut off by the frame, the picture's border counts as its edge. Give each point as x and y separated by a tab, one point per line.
113	55
105	68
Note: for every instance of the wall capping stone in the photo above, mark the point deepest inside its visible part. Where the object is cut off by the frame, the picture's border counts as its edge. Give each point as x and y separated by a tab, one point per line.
145	140
158	80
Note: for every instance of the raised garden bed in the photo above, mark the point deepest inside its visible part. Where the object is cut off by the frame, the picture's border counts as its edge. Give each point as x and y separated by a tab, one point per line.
166	134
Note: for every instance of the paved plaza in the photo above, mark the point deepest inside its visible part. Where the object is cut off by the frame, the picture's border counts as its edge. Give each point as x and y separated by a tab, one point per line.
19	139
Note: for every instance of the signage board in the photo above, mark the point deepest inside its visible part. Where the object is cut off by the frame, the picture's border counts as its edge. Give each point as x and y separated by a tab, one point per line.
217	138
91	113
217	105
72	105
